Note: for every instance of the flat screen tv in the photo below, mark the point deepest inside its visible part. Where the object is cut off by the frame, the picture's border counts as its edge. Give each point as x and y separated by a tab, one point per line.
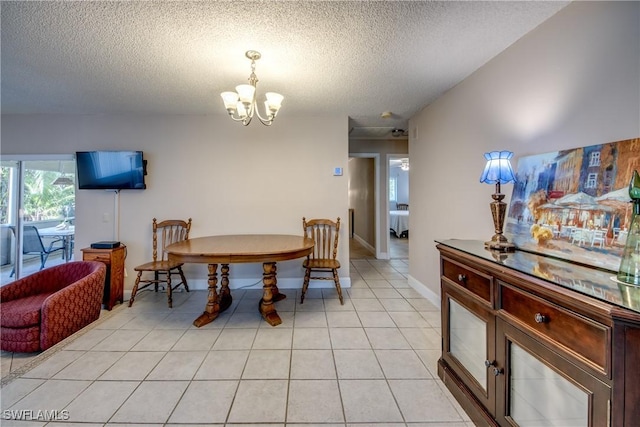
110	170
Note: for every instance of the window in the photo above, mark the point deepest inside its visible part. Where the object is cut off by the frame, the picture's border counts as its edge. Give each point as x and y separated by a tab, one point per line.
393	189
592	180
594	159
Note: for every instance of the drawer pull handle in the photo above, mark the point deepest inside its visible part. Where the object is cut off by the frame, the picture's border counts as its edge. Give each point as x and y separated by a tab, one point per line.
497	371
462	277
488	363
540	318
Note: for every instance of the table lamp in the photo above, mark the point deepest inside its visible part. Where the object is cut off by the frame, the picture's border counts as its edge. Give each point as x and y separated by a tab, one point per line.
498	171
629	271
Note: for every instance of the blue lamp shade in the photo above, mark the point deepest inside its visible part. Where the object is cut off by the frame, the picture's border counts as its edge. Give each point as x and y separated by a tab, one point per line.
498	168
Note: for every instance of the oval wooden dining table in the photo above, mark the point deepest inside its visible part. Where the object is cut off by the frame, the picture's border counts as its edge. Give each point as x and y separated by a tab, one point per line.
240	248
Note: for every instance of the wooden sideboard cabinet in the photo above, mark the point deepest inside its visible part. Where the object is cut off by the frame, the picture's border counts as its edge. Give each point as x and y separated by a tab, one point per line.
533	340
114	282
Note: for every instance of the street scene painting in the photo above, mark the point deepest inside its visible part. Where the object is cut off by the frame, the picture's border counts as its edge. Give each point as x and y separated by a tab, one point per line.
574	204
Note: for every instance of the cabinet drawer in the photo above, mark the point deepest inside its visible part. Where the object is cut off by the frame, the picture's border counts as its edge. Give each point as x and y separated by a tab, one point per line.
585	338
474	281
88	256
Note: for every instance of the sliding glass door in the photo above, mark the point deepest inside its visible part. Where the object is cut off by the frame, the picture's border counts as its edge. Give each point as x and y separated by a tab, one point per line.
37	213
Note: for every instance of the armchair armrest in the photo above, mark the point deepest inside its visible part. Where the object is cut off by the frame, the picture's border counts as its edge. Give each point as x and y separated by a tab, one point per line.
72	308
26	286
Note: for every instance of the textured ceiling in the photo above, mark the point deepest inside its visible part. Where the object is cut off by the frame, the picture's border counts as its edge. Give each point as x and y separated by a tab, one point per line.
353	58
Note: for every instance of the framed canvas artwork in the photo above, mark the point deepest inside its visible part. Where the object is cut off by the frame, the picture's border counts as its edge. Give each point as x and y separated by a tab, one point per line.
574	204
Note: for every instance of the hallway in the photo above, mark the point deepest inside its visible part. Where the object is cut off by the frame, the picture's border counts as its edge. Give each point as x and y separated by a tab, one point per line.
398	249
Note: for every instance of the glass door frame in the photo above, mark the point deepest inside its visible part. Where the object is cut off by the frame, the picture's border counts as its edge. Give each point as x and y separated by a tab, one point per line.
16	192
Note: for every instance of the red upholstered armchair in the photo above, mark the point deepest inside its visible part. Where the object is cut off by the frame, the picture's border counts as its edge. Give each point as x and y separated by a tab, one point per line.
42	309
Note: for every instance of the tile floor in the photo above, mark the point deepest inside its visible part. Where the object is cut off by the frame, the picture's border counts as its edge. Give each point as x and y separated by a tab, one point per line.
371	361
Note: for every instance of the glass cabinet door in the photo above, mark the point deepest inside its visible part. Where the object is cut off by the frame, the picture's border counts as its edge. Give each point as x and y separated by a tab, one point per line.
468	341
545	389
469	350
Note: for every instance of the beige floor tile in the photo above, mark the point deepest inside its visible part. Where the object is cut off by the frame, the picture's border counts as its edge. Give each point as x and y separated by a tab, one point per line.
408	319
89	366
205	402
360	293
100	401
376	319
133	366
235	339
349	338
310	319
311	338
343	319
423	400
314	401
222	365
402	364
396	304
422	338
89	340
178	365
357	364
53	364
267	364
159	340
197	339
120	340
52	394
367	305
151	402
368	401
333	304
260	401
312	364
16	390
273	338
310	304
386	338
386	293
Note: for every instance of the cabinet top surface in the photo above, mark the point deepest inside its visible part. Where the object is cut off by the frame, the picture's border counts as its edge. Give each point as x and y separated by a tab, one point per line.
595	283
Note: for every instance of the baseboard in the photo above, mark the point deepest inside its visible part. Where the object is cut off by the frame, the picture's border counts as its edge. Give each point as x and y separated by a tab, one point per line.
363	243
423	290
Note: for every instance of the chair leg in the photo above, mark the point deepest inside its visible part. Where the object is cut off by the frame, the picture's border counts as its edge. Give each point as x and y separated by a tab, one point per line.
156	276
184	280
134	291
336	279
43	259
169	290
305	284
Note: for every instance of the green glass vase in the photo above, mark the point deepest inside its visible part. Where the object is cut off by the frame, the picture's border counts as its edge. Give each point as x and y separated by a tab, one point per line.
629	271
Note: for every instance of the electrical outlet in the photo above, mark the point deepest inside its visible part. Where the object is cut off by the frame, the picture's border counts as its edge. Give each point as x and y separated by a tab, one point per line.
105	217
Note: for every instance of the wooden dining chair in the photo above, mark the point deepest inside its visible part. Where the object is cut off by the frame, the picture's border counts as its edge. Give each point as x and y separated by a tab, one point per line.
164	234
323	259
402	206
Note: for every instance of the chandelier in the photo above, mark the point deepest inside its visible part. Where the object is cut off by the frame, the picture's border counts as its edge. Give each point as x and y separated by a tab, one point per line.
241	105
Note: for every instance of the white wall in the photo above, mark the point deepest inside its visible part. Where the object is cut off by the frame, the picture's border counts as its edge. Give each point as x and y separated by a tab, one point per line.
230	179
402	178
573	81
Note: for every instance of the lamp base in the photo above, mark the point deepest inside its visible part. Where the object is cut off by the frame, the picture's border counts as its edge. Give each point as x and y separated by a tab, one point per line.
500	246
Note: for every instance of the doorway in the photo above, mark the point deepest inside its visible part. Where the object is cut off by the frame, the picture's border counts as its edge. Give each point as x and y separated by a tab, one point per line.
363	206
398	206
37	213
